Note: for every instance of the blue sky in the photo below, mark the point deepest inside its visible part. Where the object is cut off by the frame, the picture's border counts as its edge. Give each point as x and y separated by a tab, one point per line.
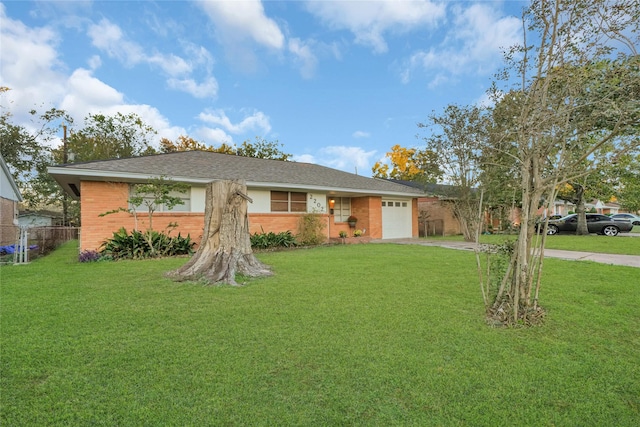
337	83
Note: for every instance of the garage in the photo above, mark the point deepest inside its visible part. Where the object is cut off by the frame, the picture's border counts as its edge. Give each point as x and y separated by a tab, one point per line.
396	219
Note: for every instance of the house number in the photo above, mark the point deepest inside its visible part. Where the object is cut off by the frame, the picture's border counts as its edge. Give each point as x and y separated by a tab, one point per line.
315	203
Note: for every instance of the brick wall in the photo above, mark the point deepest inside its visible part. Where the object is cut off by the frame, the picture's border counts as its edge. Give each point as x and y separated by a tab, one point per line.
440	211
8	231
100	197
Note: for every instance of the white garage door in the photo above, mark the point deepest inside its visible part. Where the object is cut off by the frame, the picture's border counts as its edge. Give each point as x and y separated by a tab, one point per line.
396	219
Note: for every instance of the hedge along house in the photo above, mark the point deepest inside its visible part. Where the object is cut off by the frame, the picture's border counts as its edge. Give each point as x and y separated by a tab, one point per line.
281	192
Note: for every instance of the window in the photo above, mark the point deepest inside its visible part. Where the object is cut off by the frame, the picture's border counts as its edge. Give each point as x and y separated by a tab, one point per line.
342	209
148	200
285	201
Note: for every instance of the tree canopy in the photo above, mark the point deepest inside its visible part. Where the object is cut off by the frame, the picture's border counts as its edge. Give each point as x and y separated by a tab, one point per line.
409	164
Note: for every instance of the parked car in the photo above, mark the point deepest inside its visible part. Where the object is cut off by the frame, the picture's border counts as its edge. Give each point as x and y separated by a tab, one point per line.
596	223
634	219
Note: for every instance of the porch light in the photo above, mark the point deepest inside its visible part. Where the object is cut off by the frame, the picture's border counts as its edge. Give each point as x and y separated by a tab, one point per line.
332	203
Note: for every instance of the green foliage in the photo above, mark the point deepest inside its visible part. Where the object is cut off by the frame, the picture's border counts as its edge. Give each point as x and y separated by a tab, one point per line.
111	137
148	244
27	154
628	169
272	240
151	195
311	229
262	149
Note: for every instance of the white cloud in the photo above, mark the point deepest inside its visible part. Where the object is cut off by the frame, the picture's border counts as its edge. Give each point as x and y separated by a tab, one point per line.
87	94
240	20
304	158
94	62
361	134
30	66
206	89
350	159
257	121
213	136
474	44
109	38
370	21
304	57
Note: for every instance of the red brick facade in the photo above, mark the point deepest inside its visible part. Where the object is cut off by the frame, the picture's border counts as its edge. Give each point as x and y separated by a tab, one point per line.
101	197
439	220
8	230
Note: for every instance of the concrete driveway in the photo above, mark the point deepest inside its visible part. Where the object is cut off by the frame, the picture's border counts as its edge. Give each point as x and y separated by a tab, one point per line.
626	260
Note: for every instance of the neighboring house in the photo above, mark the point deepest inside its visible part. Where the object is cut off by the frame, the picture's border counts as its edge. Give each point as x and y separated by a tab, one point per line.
281	193
605	208
39	219
9	199
435	209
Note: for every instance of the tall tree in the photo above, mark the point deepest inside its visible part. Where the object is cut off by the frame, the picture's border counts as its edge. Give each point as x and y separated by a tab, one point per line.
111	137
28	153
580	45
458	135
409	164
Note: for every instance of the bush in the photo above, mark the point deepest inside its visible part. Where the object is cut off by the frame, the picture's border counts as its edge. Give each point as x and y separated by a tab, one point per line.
273	240
311	229
149	244
89	256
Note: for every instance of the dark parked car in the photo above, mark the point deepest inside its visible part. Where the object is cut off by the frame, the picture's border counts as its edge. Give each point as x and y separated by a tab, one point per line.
634	219
596	223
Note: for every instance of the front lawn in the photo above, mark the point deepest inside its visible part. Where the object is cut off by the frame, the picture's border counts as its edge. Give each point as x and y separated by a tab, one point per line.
376	334
624	244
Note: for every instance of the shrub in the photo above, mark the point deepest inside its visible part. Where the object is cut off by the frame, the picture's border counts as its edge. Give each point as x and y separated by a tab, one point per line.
89	256
149	244
272	240
311	229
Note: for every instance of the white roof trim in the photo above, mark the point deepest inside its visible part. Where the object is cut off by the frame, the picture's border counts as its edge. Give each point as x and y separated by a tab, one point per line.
139	177
12	182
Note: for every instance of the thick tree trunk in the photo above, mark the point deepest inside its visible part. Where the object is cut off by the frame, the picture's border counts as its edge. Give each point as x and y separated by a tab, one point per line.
225	249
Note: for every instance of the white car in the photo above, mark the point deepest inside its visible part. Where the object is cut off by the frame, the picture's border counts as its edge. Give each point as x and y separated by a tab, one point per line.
634	219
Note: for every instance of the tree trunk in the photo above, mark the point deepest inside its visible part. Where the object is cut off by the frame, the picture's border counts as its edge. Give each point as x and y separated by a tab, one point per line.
225	249
582	229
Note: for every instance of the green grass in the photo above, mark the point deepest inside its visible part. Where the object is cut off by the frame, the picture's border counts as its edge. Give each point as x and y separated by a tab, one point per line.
376	334
591	243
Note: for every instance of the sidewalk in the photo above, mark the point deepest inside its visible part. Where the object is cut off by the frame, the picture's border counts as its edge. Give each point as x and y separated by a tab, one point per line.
612	259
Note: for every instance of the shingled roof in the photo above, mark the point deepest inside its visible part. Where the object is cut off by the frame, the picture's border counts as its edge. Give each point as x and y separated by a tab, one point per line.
204	166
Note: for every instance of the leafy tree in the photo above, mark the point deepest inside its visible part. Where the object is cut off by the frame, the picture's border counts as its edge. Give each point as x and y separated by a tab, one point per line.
458	135
262	149
409	164
183	143
628	188
111	137
571	98
28	153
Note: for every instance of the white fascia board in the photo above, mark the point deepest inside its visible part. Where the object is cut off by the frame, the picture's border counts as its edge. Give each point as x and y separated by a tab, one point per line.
98	175
331	190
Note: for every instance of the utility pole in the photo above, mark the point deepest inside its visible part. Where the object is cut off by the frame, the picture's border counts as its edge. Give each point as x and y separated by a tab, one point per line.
65	202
